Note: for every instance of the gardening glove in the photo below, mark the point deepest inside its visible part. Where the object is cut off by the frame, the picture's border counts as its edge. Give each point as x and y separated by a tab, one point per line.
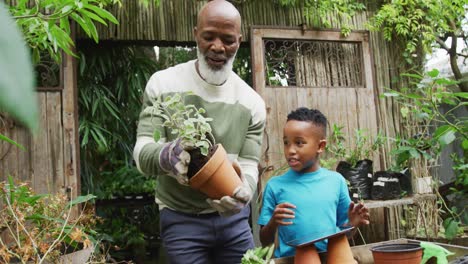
174	160
230	205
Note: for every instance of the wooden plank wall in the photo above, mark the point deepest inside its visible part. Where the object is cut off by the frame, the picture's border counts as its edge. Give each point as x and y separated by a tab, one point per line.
51	159
173	21
42	161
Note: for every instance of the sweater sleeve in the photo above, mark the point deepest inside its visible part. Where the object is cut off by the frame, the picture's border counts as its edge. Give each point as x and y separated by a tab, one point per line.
146	151
250	153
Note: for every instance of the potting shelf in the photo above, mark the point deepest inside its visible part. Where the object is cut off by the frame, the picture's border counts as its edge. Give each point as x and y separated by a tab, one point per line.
363	255
386	205
415	199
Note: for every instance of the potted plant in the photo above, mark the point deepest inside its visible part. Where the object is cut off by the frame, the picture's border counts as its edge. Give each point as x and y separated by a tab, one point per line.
355	162
210	170
40	228
434	113
258	255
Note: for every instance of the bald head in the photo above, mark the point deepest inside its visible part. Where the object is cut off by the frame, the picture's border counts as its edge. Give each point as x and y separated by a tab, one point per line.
219	9
218	38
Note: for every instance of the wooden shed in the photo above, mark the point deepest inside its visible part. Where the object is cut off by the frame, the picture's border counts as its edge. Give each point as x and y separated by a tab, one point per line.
341	76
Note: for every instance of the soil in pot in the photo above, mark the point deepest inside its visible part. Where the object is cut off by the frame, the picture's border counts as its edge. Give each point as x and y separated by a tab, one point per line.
397	254
198	160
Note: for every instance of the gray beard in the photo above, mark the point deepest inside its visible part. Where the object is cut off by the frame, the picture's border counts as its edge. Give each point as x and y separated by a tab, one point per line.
211	76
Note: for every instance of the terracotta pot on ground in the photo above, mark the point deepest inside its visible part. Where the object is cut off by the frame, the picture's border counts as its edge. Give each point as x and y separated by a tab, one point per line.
397	254
307	255
217	178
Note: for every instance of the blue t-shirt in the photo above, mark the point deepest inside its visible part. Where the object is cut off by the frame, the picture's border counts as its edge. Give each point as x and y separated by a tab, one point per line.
321	199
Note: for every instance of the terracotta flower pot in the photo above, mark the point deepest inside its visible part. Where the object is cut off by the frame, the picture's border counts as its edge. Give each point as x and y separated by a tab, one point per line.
339	250
397	254
307	255
217	178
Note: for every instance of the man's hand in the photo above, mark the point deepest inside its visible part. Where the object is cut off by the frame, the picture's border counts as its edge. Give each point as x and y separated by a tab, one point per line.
230	205
174	159
358	214
282	211
226	206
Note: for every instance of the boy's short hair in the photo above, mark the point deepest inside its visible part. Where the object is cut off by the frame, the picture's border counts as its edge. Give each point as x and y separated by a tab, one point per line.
309	115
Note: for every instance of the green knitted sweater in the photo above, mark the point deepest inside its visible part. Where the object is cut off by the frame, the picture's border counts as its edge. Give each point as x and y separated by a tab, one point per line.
238	114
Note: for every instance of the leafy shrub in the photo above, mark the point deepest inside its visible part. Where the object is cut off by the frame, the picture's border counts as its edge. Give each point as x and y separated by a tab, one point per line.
38	227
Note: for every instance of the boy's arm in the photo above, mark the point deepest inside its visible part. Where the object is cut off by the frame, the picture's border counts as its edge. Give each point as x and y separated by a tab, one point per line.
358	214
281	213
267	233
349	213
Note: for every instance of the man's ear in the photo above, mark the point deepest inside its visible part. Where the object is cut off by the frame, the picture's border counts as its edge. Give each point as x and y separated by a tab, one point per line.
322	145
240	39
195	32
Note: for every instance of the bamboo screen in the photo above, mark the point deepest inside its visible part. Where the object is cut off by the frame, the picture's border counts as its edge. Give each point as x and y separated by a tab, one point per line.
313	63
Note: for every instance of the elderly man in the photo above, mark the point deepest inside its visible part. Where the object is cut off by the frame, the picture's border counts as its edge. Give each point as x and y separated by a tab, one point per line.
195	229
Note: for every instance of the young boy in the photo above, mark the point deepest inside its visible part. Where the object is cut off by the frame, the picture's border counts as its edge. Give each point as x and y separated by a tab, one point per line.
307	199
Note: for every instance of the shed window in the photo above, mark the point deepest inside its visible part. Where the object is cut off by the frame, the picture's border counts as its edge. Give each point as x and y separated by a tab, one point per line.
304	63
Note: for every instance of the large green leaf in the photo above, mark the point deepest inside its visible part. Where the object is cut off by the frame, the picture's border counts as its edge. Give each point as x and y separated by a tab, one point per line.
5	138
451	228
447	138
17	95
82	199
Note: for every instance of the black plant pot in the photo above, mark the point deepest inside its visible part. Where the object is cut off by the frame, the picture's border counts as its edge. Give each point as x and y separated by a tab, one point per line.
359	176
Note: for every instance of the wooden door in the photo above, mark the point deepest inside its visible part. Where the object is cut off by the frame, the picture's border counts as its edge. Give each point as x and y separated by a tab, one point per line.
50	161
316	69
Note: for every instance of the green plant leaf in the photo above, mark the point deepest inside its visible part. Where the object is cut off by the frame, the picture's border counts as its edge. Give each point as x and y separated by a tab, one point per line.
404	111
16	79
451	228
447	138
390	94
414	96
33	199
92	16
156	135
414	153
441	130
465	144
11	186
103	13
81	199
433	73
461	95
81	22
5	138
412	75
444	81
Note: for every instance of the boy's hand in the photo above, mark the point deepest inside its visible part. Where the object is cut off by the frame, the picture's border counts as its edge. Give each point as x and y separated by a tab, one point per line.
282	212
358	214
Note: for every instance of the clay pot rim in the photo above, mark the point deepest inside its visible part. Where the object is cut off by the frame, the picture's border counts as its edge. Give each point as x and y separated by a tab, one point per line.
396	247
197	180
